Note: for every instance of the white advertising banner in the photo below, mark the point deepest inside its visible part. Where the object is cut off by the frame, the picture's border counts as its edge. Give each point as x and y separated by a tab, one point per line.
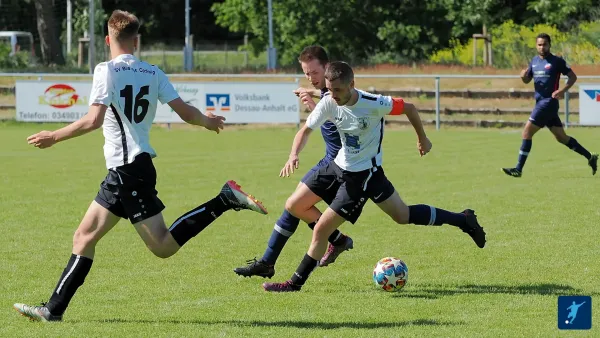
238	102
589	104
46	101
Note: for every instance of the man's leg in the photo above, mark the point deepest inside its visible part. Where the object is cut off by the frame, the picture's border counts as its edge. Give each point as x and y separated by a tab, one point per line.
422	214
530	129
326	225
285	227
559	133
349	202
95	224
165	242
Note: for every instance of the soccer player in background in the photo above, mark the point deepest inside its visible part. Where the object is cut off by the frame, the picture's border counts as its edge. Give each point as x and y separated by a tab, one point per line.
356	174
131	89
313	60
545	70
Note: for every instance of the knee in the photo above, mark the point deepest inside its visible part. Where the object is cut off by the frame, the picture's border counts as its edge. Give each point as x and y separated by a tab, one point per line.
160	251
564	139
82	239
292	207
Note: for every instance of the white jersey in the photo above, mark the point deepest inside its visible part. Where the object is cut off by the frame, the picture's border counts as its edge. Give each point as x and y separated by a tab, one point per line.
360	127
131	89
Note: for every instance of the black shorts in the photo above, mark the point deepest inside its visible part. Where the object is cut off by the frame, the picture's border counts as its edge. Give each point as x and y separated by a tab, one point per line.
129	191
346	192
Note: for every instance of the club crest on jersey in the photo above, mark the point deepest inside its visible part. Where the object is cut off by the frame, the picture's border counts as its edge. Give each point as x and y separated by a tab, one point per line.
548	66
363	123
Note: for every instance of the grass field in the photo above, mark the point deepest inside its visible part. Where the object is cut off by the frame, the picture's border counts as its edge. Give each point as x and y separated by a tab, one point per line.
542	240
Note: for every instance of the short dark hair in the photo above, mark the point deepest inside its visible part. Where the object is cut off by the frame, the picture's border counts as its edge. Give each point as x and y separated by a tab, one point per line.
544	36
314	53
339	70
123	25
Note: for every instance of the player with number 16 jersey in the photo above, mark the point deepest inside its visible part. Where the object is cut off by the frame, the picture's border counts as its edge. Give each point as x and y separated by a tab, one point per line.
123	101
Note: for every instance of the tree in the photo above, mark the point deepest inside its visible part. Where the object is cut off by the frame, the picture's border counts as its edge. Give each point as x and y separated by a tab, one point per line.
565	14
49	35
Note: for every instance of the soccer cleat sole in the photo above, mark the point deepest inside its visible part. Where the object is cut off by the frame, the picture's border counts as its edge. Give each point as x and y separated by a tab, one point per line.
473	217
508	173
31	319
251	201
263	275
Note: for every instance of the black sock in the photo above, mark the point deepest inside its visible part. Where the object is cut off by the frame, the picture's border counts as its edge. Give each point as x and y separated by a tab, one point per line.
422	214
194	221
304	270
72	278
576	147
336	237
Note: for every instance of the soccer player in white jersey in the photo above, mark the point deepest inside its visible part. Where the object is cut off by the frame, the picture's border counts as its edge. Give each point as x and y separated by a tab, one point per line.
123	101
356	174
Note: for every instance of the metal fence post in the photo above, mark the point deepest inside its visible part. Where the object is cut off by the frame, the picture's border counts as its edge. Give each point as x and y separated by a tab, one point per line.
567	108
437	103
297	80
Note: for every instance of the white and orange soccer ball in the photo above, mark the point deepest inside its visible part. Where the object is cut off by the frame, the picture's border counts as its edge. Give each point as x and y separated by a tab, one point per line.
390	274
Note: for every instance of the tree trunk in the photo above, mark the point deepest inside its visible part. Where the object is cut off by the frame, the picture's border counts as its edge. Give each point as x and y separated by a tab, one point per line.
49	35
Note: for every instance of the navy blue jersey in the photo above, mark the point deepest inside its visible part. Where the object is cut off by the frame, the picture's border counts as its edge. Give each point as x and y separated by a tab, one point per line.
333	143
546	74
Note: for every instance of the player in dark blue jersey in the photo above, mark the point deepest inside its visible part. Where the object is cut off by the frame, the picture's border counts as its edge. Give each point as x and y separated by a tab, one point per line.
313	60
545	69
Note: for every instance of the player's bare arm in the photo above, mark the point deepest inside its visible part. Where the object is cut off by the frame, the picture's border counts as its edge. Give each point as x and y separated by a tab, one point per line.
299	142
525	77
572	78
89	122
306	97
192	115
423	143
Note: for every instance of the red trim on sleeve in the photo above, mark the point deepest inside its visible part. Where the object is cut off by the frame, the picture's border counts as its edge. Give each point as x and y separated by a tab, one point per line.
397	106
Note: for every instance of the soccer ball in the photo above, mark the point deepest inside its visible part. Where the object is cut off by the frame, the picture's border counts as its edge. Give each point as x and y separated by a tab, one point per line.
390	274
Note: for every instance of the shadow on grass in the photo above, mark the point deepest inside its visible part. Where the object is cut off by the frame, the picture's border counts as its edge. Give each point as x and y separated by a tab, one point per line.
290	323
429	291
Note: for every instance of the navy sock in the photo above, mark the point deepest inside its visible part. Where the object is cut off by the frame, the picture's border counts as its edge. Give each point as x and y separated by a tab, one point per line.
422	214
336	237
306	267
523	153
576	147
284	228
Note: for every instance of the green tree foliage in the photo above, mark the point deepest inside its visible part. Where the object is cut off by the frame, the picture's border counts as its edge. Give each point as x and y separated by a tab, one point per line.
371	31
514	45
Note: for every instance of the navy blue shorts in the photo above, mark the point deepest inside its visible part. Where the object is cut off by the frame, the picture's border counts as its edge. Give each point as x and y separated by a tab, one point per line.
545	114
322	163
347	192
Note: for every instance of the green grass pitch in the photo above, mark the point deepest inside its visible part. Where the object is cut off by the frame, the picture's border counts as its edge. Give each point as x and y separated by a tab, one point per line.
543	233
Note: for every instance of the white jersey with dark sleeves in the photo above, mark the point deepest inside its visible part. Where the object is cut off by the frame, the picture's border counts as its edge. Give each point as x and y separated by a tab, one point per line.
131	89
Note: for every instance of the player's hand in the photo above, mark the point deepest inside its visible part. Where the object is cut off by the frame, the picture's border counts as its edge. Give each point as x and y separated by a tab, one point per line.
43	139
305	97
524	72
557	94
214	122
290	165
424	146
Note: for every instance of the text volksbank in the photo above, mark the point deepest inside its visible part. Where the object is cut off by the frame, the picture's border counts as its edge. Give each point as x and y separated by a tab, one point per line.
251	103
